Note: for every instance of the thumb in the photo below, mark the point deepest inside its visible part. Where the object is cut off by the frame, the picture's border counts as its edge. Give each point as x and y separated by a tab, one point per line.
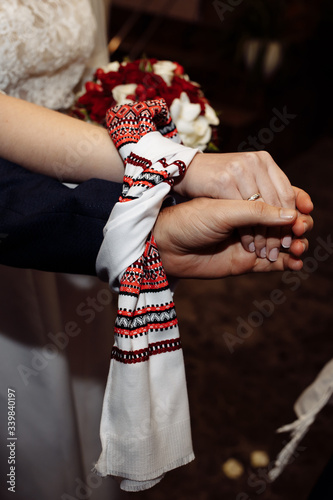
241	213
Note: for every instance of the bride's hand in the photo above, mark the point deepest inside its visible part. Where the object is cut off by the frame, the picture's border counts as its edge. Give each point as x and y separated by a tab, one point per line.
237	176
197	239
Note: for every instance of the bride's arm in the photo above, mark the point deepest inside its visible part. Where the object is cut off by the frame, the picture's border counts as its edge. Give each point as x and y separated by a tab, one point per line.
54	144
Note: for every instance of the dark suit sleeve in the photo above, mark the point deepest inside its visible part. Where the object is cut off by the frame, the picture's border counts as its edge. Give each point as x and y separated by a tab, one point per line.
48	226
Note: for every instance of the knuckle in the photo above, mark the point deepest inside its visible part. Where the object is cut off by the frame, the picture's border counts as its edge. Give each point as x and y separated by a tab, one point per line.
236	168
264	156
288	196
257	159
251	158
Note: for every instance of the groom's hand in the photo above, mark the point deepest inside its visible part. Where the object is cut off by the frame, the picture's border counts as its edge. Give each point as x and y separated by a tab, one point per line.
237	176
200	238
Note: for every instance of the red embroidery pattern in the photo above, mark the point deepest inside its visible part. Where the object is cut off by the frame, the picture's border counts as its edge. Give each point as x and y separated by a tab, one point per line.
156	318
127	123
144	281
143	354
145	275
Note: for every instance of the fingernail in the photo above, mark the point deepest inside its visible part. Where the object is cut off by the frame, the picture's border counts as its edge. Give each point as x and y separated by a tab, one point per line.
252	247
263	253
286	242
287	213
273	254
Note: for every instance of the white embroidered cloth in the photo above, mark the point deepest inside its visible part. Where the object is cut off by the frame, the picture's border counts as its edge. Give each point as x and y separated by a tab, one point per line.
145	426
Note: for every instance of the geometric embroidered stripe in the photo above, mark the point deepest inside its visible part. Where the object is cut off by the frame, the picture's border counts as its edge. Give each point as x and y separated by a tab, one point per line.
128	288
129	122
154	287
169	130
149	327
138	161
133	292
146	318
180	164
149	178
140	310
146	274
140	355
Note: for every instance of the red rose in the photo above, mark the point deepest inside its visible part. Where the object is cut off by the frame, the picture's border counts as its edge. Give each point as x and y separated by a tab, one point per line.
151	93
169	94
129	67
130	73
92	86
99	73
88	98
100	107
140	89
110	80
153	80
133	76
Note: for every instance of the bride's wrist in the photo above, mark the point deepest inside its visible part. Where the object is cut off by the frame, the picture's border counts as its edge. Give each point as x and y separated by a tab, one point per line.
188	185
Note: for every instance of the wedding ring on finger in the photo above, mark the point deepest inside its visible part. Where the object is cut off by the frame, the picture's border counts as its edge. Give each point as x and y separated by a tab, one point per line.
254	197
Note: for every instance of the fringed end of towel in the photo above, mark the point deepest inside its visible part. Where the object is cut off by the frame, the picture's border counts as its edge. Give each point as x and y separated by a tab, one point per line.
141	462
134	485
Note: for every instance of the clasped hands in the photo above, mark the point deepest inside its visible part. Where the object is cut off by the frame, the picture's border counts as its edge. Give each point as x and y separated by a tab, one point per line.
219	233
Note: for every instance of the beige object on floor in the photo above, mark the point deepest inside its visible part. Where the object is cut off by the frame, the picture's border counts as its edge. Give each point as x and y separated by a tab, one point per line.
232	468
259	458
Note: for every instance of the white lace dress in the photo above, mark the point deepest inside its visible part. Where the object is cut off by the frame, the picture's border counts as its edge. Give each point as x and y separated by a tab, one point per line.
45	49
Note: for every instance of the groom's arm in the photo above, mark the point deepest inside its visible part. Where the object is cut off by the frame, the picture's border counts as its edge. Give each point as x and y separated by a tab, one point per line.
48	226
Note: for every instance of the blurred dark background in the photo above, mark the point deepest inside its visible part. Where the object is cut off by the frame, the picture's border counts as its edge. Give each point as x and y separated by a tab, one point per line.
249	56
253	58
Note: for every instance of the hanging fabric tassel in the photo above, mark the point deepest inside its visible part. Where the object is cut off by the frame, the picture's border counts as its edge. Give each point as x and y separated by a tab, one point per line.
307	406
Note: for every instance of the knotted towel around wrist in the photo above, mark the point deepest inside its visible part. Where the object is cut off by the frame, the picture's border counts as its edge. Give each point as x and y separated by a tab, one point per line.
145	426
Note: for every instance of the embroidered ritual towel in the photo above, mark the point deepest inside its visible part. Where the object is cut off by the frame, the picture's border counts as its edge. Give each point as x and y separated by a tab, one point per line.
307	406
145	426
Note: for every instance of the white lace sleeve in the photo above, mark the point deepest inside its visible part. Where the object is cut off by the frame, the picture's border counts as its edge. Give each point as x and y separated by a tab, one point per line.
44	47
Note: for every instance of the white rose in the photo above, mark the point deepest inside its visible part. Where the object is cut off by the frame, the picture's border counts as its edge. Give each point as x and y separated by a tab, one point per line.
194	129
211	115
112	66
184	108
165	69
120	93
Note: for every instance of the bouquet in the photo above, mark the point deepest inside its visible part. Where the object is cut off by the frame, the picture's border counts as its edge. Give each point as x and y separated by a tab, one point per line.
144	79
